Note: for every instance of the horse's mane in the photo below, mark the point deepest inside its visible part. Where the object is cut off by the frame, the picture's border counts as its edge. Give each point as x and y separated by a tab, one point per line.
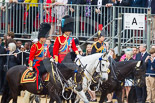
91	57
47	65
125	63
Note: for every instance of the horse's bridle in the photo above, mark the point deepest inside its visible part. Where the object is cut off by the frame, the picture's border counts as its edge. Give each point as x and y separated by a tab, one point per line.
100	63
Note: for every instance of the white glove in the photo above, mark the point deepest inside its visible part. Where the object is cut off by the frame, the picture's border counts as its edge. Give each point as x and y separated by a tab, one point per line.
78	56
31	68
52	60
56	63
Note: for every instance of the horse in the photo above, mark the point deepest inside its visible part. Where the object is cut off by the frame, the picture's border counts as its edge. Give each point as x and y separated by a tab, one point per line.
98	63
117	76
52	87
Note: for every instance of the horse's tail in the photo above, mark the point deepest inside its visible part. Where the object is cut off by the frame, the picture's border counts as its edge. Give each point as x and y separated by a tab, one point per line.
6	93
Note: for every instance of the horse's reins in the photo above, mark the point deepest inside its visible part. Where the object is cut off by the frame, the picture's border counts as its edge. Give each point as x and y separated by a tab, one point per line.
63	85
115	76
86	70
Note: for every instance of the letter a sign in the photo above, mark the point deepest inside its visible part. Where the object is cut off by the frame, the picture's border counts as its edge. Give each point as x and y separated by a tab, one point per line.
134	21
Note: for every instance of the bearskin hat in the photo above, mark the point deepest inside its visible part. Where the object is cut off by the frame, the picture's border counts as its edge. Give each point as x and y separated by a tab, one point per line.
43	30
67	24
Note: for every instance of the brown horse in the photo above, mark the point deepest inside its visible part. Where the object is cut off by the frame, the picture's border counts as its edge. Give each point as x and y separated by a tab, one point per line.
53	88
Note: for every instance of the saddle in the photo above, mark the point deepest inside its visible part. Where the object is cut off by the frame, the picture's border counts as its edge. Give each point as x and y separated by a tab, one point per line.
29	76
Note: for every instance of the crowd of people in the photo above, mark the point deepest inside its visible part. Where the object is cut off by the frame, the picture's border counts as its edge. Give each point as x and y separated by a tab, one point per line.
13	48
26	21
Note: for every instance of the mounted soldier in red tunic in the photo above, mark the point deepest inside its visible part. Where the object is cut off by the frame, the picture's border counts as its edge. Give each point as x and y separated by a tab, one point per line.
38	52
64	44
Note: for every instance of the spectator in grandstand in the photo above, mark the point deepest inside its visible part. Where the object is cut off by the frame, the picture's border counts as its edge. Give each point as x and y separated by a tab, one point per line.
150	77
124	55
137	3
141	91
88	50
32	13
128	80
48	42
121	3
50	46
3	12
17	16
60	11
134	49
26	53
9	38
12	58
100	11
49	16
2	73
18	45
72	8
27	46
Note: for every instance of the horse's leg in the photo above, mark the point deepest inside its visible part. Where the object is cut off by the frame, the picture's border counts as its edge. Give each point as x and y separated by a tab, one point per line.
119	95
73	98
77	99
103	96
82	96
14	92
54	96
51	101
9	98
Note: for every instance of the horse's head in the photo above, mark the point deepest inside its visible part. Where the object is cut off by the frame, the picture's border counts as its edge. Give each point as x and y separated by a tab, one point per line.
139	73
103	67
78	77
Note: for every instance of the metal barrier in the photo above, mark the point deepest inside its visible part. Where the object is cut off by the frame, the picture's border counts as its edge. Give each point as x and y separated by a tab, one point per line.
24	20
152	34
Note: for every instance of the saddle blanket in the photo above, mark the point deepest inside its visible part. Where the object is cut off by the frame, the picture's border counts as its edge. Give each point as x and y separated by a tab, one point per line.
30	76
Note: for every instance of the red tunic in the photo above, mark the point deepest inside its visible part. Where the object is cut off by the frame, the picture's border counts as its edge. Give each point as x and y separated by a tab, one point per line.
63	45
49	18
38	52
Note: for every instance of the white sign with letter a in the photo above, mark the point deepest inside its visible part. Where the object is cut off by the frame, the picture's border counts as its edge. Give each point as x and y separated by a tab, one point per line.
134	21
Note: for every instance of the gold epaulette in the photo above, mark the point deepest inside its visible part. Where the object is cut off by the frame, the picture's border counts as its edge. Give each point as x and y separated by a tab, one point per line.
98	49
94	44
61	42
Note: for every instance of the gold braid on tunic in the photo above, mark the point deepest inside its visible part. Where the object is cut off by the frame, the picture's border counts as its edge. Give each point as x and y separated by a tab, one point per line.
98	50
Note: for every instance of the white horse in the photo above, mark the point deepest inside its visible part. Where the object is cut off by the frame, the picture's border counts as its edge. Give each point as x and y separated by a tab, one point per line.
96	62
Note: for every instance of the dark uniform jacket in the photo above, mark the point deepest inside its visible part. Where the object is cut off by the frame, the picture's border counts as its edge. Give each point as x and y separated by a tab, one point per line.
98	47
